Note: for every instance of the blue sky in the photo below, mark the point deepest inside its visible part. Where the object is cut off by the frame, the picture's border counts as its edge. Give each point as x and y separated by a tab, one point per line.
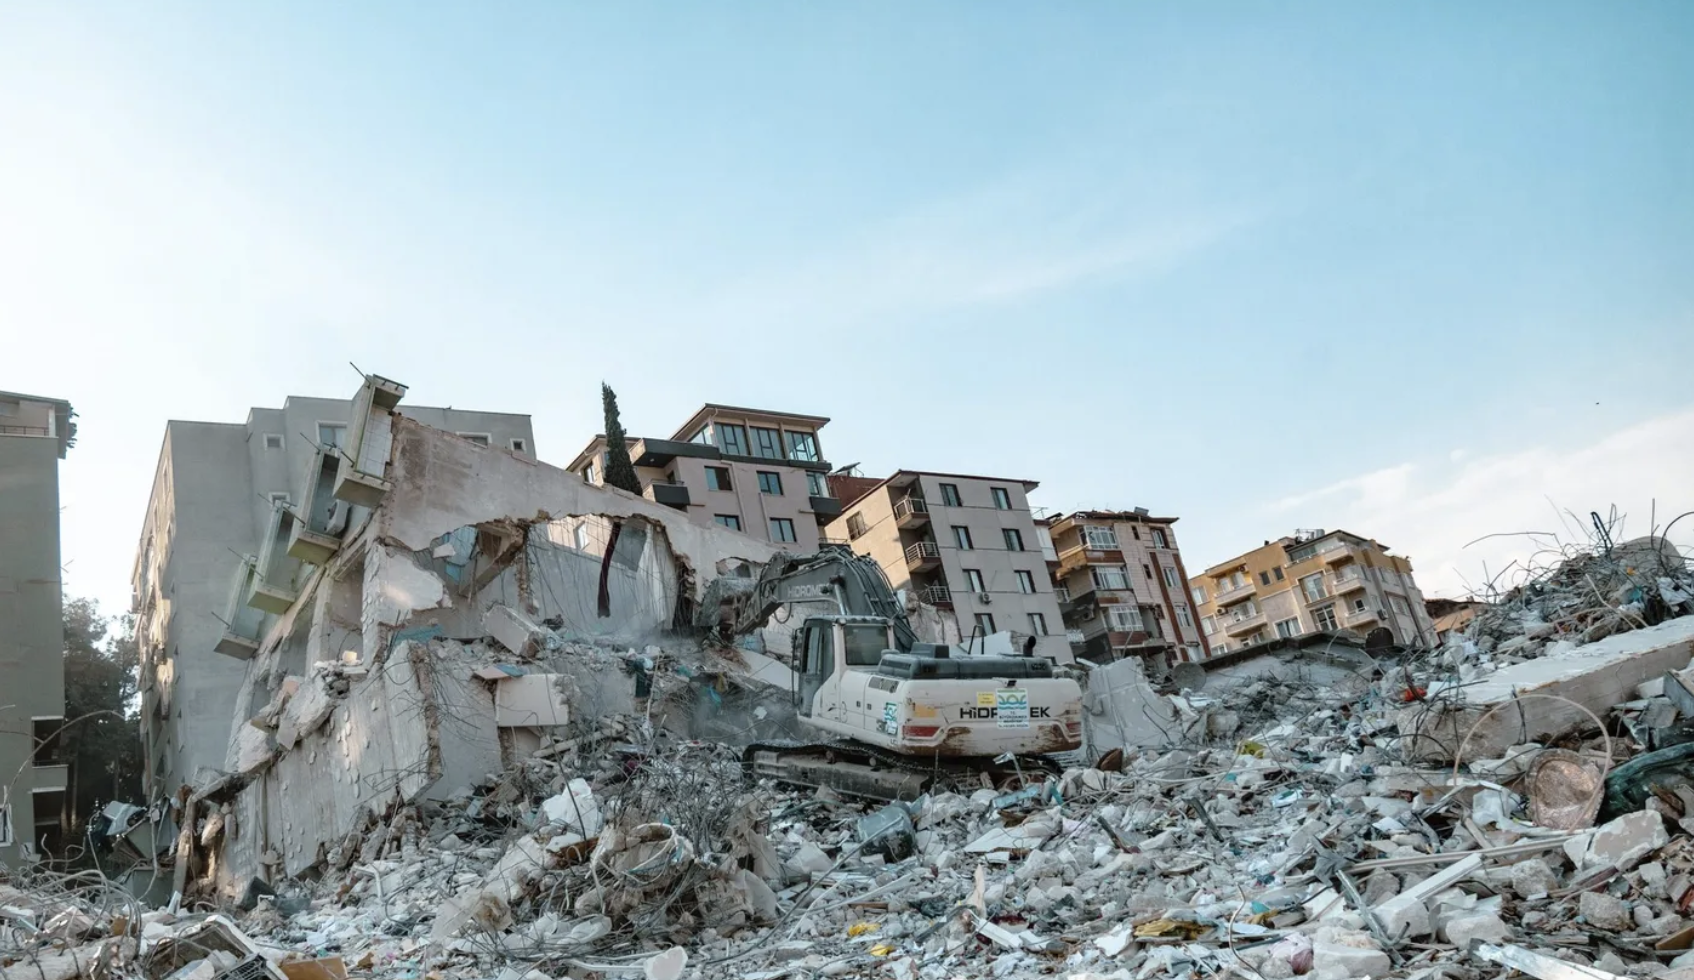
1429	266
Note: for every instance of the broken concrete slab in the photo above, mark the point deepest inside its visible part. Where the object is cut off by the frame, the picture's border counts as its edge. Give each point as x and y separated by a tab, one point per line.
1626	841
1595	676
513	630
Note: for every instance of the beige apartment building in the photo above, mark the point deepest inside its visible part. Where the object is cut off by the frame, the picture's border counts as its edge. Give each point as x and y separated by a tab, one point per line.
759	472
1123	588
35	434
968	544
1314	581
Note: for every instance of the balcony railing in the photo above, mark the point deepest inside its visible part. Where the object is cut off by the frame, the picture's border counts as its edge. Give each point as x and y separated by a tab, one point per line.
924	554
936	595
1341	584
1234	592
23	430
911	511
1236	625
1359	617
1062	594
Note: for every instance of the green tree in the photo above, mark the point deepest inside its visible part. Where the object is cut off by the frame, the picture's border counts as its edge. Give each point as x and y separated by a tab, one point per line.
620	472
101	740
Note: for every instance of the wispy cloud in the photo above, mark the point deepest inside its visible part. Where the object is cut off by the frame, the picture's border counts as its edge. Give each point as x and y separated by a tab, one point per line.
1436	511
998	243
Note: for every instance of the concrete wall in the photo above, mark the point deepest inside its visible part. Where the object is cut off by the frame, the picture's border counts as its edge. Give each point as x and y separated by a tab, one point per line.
31	624
211	503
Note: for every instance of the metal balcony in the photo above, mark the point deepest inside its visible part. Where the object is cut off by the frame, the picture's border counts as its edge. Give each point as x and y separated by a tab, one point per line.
1062	594
936	595
923	556
910	511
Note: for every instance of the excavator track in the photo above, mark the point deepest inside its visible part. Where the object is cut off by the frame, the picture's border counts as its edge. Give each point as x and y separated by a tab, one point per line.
856	769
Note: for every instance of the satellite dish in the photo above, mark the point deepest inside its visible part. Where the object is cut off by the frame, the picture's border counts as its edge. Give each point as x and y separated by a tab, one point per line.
1188	676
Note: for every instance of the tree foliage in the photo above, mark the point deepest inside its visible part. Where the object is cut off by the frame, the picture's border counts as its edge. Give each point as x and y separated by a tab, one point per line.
620	472
101	740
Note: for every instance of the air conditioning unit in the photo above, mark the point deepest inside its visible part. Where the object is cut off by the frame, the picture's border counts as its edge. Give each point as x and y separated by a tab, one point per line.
984	598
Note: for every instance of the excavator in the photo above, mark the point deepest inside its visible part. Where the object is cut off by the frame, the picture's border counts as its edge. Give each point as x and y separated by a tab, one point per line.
888	716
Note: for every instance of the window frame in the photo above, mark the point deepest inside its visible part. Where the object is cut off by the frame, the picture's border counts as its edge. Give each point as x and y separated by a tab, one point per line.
974	581
337	445
978	619
1306	590
856	526
1002	498
758	433
962	539
950	495
1160	538
485	439
775	479
1172	580
742	447
1011	536
810	439
1038	624
270	445
731	521
716	473
518	445
779	523
817	484
1096	572
1025	577
1097	538
1322	612
1293	630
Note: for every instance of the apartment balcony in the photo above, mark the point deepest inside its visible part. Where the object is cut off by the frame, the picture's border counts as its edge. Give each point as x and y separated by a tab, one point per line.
1076	637
24	430
660	452
239	647
1237	593
270	598
1338	554
1062	594
1237	625
923	556
825	508
910	512
1341	584
1361	617
936	595
311	546
673	495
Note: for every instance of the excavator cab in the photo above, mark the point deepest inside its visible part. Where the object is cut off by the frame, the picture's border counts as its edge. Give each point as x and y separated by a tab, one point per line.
830	645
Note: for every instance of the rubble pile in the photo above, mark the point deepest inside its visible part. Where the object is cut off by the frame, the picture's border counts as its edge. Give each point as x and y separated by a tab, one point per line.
1581	599
1307	824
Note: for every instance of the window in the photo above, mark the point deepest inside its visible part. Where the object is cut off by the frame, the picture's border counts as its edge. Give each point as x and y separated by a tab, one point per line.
1171	580
332	435
1323	618
1100	537
1148	571
770	483
1358	605
1160	540
782	529
5	825
732	439
817	485
1185	617
1399	605
802	446
1219	648
767	443
518	446
1037	624
1026	582
950	495
702	437
1110	577
1312	585
717	478
856	526
588	473
973	580
864	644
1277	571
1014	538
273	440
1288	627
1002	499
47	741
1199	594
1124	619
962	537
580	536
1208	625
1137	532
730	521
985	623
1264	578
480	438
